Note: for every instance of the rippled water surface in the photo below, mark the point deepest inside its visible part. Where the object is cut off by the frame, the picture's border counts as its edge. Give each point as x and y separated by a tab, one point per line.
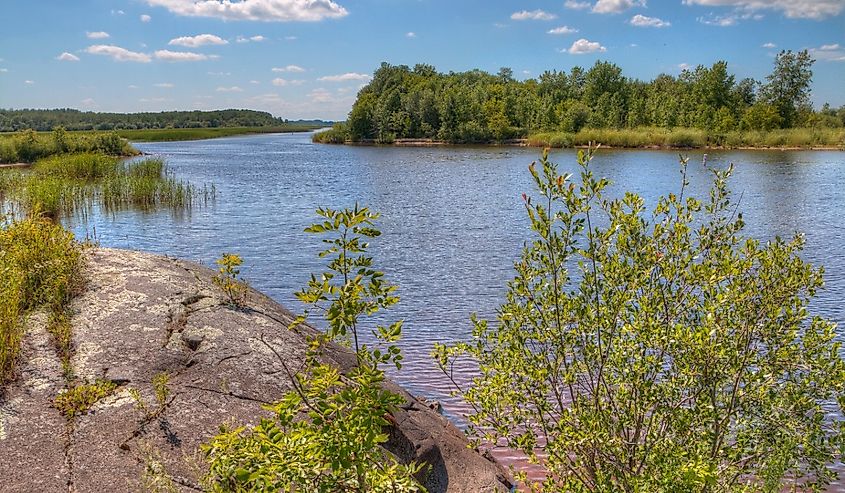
452	218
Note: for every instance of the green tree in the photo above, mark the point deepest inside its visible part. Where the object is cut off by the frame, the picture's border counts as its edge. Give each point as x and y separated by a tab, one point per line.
326	433
788	86
660	351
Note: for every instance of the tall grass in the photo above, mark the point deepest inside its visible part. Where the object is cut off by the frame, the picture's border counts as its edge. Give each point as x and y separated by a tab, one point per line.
176	134
39	266
29	146
68	185
692	138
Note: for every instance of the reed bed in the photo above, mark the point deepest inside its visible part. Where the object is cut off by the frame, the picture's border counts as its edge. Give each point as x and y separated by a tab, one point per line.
30	146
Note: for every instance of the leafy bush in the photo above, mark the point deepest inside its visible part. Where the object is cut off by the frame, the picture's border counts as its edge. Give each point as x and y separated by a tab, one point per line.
228	278
656	351
325	434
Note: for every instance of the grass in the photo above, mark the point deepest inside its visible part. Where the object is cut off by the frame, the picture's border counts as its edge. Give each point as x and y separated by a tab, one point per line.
39	267
81	398
68	185
693	138
176	134
335	135
29	146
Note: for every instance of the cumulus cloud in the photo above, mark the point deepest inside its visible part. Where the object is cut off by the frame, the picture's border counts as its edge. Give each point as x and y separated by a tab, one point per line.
29	82
146	18
289	68
97	35
182	56
285	82
616	6
411	34
255	10
769	45
255	39
562	30
800	9
576	5
164	85
118	54
684	66
584	46
644	21
349	76
533	15
230	89
67	57
198	40
829	53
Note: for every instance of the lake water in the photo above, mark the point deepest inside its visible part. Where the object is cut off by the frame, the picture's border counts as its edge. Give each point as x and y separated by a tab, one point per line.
452	218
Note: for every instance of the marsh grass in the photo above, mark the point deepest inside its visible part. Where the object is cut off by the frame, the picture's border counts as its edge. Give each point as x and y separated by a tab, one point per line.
39	267
686	138
71	185
177	134
29	146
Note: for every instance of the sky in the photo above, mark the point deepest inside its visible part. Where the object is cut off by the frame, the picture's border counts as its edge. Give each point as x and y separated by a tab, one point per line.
303	59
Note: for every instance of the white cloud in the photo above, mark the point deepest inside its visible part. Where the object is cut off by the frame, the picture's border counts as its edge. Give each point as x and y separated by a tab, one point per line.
257	39
769	45
289	68
165	85
285	82
255	10
644	21
684	66
117	12
254	82
230	89
118	54
562	30
146	18
576	5
533	15
89	102
67	57
29	82
254	39
583	46
220	74
97	35
829	53
410	34
291	38
198	40
3	70
801	9
182	56
132	86
344	77
616	6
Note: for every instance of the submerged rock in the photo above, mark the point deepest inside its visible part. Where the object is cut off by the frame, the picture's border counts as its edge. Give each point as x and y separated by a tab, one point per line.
141	315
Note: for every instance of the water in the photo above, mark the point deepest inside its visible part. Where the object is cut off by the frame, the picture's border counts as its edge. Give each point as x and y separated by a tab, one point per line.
452	218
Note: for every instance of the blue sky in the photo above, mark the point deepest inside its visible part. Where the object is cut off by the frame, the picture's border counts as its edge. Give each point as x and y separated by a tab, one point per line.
307	58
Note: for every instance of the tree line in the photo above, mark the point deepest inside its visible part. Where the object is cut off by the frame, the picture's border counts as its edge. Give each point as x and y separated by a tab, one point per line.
476	106
71	119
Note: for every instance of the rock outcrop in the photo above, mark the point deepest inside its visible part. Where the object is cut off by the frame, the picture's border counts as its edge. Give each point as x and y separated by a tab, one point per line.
141	315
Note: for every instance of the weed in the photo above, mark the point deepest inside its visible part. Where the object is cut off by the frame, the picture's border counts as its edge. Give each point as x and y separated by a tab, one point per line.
228	279
78	400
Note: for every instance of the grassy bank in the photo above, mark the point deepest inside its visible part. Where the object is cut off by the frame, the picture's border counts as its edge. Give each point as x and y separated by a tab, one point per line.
29	146
39	262
176	134
694	138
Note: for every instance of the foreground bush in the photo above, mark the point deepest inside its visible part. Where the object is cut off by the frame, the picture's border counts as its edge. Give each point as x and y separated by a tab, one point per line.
39	267
325	434
656	351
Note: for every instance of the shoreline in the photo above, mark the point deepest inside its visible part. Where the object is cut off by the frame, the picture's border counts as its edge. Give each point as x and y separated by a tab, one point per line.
525	143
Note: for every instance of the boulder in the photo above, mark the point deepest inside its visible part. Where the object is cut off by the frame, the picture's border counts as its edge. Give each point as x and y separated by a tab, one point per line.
142	314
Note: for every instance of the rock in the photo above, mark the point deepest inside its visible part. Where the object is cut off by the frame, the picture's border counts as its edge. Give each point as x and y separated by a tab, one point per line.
142	315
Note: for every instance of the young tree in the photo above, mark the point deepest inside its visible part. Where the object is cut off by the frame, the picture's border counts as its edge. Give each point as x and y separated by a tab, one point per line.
661	352
788	86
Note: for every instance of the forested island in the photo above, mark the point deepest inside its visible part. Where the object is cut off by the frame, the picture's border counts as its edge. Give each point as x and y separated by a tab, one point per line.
41	120
703	106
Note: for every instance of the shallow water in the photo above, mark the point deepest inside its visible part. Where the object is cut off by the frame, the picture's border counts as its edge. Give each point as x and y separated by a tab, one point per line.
452	218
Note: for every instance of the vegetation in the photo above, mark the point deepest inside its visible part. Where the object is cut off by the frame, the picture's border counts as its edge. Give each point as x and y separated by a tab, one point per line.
477	107
66	185
228	279
29	146
79	399
47	120
657	351
326	433
39	267
176	134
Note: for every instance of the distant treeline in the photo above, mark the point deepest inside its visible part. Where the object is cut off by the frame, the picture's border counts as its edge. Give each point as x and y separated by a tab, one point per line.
477	106
70	119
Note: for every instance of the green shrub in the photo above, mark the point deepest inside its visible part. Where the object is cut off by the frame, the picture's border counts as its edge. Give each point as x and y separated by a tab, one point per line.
79	399
678	356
